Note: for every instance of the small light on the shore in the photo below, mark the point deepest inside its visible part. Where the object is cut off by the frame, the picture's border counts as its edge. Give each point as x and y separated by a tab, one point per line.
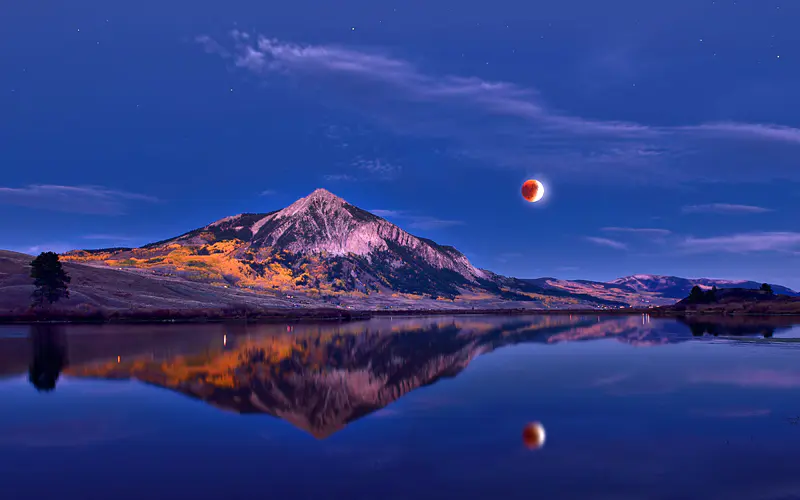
118	359
224	340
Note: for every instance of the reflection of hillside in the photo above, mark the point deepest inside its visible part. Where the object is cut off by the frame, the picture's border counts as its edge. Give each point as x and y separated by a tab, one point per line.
633	330
322	377
738	326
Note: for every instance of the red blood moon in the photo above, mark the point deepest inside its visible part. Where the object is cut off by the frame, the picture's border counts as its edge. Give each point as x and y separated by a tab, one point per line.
532	190
533	436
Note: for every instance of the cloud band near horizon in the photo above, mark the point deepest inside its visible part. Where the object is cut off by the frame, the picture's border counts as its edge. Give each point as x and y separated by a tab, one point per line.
96	200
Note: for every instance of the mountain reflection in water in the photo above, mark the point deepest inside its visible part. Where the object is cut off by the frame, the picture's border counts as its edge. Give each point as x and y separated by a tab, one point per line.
320	378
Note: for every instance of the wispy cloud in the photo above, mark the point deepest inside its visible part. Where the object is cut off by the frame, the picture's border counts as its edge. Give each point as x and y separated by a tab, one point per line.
606	242
387	214
378	168
267	192
339	177
265	55
736	413
610	380
363	169
426	222
724	208
417	221
510	125
744	243
75	199
769	132
638	230
109	237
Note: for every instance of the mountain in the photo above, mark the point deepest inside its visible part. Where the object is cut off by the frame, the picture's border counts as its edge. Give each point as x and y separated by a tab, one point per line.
672	287
324	247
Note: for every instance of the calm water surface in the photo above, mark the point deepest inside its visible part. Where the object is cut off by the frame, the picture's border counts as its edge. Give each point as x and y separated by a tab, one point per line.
418	408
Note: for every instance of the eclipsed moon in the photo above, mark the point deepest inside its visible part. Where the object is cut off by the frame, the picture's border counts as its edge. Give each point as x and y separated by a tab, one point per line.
532	190
533	436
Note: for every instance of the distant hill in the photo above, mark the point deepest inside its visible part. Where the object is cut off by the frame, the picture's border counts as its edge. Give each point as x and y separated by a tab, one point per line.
673	287
731	301
647	290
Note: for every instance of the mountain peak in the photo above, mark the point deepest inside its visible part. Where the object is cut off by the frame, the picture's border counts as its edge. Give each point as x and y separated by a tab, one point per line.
323	194
319	199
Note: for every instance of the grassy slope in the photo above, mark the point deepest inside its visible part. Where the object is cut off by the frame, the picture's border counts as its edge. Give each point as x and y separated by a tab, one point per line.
98	290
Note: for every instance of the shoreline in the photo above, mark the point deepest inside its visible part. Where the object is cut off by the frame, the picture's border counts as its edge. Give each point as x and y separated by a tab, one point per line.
281	315
340	315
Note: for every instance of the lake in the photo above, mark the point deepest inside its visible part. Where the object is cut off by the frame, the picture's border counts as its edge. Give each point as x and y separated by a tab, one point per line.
633	407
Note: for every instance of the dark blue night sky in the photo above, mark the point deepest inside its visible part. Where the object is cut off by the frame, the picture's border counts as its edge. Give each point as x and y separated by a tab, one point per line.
667	133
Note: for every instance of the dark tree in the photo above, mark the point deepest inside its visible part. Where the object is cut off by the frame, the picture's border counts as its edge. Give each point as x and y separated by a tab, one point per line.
696	295
49	356
711	295
766	287
49	278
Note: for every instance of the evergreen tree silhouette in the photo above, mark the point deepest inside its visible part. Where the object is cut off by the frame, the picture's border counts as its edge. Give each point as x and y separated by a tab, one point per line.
49	278
696	295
